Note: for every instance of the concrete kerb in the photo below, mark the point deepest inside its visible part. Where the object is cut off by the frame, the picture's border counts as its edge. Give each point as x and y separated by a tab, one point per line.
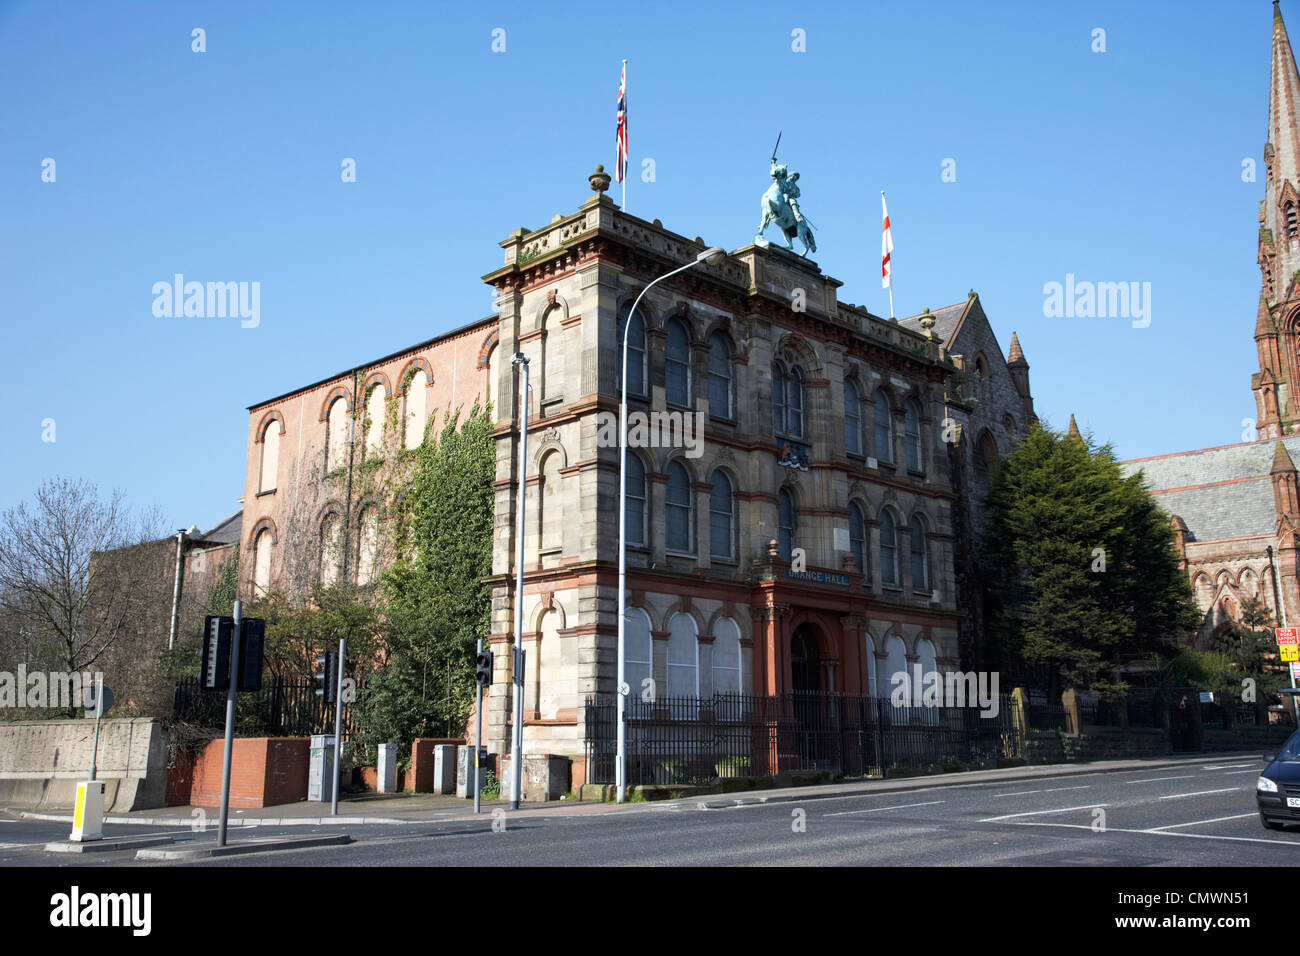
248	846
109	845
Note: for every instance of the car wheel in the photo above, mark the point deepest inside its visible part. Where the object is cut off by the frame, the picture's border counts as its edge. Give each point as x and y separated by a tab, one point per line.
1270	824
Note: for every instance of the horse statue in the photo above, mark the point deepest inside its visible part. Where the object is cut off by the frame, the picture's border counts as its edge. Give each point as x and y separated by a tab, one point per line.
780	205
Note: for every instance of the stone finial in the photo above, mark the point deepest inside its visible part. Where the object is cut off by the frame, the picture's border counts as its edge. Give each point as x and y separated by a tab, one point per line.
599	181
773	549
926	321
1074	429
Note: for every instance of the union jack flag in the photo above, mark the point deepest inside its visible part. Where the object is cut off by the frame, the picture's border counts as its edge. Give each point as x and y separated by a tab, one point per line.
620	165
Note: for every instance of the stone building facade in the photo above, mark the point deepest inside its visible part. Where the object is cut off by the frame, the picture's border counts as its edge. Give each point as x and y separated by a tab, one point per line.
823	438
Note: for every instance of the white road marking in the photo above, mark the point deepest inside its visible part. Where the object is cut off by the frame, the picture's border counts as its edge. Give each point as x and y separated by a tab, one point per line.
1231	772
1226	766
1199	793
1018	793
1059	789
1197	823
1034	813
1185	776
1188	836
903	806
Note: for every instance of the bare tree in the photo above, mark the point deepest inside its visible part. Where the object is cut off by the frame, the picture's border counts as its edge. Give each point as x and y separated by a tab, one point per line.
50	593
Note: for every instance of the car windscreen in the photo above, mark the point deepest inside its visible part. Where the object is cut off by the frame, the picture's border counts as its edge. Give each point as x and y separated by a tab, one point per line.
1291	749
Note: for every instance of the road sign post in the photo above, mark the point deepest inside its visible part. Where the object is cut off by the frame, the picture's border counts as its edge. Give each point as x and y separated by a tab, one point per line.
338	729
1288	646
231	690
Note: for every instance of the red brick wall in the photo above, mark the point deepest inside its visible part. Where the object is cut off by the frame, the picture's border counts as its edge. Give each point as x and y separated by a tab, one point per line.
264	772
420	779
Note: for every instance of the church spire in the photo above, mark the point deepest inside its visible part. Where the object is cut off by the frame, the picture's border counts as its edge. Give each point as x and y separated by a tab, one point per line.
1279	242
1283	102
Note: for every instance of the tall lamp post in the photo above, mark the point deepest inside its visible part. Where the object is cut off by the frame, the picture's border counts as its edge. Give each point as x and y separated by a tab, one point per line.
713	255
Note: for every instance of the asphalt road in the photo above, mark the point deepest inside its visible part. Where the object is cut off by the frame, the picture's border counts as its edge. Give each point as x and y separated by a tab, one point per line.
1198	814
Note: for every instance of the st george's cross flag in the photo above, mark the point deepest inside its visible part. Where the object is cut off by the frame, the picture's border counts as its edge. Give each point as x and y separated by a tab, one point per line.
621	133
886	245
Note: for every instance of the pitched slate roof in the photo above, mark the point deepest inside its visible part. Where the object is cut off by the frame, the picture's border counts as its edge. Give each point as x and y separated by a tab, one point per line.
227	532
945	320
1222	492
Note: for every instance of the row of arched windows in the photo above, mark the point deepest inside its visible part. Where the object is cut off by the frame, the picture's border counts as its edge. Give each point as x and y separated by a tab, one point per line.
677	365
882	426
679	524
685	675
413	395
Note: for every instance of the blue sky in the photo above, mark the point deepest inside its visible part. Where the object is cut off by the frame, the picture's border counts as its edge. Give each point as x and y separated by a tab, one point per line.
225	166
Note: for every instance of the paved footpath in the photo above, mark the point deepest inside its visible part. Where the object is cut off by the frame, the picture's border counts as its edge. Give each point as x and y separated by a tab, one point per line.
408	808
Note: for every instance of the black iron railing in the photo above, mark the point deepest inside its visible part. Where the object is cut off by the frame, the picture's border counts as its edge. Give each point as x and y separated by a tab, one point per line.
687	740
282	708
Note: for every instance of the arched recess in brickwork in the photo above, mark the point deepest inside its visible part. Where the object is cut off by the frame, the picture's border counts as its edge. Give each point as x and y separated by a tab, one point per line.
263	524
373	379
485	351
418	363
271	416
333	395
795	349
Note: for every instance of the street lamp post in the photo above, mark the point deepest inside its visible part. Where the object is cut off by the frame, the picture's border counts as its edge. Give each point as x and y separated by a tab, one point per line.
517	664
712	256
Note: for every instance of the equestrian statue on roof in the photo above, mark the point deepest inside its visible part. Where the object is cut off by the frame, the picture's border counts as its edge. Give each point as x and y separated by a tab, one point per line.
780	205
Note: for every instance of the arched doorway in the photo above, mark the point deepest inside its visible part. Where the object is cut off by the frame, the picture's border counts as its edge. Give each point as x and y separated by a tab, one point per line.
805	665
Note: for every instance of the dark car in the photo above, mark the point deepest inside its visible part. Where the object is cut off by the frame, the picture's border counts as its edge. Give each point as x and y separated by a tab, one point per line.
1278	789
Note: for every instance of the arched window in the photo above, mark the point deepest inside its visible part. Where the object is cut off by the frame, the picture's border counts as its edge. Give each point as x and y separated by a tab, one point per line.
912	434
677	508
262	562
884	427
634	510
416	386
727	675
888	548
722	528
858	536
636	651
375	411
552	364
336	436
368	546
683	657
550	667
929	665
787	401
895	672
919	564
270	456
635	352
677	364
785	519
550	508
331	549
986	463
719	377
869	655
852	418
493	370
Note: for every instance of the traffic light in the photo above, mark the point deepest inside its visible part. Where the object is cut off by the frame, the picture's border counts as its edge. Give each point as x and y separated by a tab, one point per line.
483	674
252	636
329	675
214	668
